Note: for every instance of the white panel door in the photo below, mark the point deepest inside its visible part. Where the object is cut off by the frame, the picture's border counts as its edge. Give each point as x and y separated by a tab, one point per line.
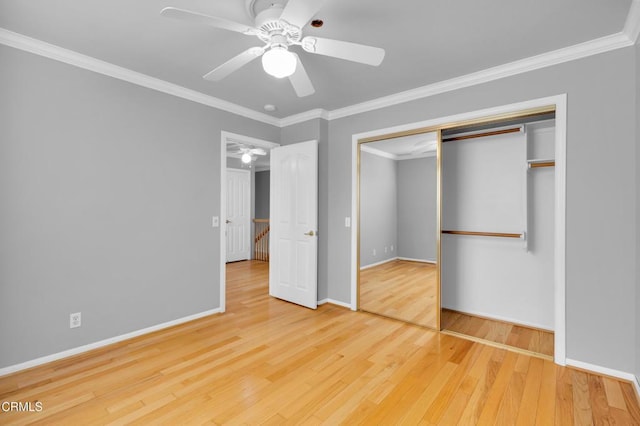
294	224
238	224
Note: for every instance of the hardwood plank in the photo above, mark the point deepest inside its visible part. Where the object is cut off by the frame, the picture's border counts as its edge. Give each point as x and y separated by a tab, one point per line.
582	413
528	411
546	404
564	398
599	403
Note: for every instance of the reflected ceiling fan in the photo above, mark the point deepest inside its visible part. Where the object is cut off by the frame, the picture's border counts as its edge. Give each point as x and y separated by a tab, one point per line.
279	26
247	153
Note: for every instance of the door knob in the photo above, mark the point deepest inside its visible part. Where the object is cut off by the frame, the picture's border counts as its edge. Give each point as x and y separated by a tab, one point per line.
227	221
310	233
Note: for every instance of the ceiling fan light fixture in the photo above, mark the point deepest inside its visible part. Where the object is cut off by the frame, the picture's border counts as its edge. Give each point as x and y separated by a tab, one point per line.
246	158
279	62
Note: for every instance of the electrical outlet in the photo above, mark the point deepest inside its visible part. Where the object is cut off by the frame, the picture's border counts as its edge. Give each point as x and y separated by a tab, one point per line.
215	221
347	222
374	252
75	320
386	248
391	248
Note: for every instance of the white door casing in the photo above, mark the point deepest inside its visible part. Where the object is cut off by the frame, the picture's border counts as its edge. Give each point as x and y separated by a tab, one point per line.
238	218
294	223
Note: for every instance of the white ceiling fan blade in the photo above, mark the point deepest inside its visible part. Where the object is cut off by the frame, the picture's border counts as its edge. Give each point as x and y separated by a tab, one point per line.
344	50
214	21
300	80
234	64
299	12
258	151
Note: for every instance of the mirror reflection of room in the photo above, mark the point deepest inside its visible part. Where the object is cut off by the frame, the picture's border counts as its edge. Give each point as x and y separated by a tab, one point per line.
398	206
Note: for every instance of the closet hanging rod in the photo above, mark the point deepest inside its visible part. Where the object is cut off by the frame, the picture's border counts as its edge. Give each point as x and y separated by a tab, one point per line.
483	234
481	135
534	165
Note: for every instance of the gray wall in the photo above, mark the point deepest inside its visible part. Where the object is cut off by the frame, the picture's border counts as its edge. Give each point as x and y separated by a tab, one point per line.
378	208
601	300
107	192
317	129
417	208
262	194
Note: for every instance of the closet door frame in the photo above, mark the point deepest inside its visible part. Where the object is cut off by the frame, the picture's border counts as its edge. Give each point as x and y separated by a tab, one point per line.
557	104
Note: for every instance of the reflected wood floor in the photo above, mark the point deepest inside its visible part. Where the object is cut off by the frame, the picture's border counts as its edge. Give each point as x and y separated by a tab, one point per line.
526	338
266	361
401	289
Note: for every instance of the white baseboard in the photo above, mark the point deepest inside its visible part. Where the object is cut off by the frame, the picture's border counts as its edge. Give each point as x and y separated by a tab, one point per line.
629	377
499	318
334	302
417	260
91	346
382	262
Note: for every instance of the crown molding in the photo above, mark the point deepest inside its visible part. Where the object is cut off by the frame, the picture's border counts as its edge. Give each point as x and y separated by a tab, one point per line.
378	152
632	25
593	47
385	154
304	116
41	48
555	57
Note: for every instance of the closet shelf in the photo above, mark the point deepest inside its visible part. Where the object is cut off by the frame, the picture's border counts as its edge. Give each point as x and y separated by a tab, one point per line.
534	164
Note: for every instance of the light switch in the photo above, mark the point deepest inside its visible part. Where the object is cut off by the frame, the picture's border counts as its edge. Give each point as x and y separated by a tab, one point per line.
215	222
347	222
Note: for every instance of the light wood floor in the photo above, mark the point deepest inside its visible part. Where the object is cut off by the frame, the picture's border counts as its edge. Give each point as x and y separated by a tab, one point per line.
267	361
526	338
401	289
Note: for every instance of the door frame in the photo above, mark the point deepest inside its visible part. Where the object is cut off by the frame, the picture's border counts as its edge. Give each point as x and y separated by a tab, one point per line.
560	103
225	138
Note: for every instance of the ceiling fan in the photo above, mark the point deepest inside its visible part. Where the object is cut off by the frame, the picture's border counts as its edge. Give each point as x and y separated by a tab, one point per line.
279	26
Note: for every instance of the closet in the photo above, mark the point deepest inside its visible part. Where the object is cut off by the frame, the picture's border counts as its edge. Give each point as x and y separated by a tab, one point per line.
492	188
497	235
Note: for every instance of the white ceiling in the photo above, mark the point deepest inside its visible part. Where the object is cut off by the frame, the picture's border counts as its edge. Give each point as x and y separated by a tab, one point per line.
425	42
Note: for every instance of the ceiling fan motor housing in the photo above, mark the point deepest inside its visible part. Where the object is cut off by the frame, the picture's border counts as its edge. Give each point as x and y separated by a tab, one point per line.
275	30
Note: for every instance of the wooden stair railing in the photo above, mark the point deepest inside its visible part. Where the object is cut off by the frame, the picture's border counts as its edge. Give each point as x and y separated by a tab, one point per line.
261	239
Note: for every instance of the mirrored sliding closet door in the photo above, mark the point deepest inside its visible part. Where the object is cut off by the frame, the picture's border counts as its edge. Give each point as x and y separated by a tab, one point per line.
398	228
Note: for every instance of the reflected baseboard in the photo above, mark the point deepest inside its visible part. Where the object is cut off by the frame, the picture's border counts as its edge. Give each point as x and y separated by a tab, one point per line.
408	259
392	259
382	262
